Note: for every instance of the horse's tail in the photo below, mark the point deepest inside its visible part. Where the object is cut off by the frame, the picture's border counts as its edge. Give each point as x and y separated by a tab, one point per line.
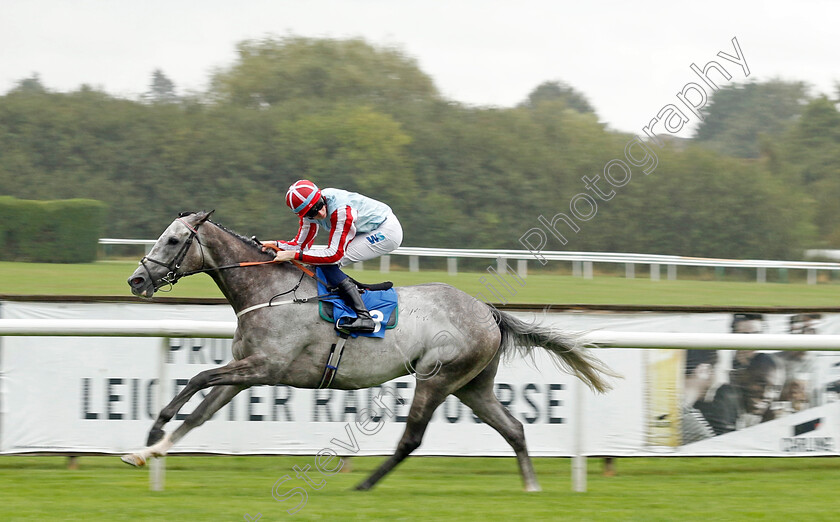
568	352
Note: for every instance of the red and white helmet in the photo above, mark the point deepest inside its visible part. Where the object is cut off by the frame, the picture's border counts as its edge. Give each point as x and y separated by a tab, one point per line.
301	196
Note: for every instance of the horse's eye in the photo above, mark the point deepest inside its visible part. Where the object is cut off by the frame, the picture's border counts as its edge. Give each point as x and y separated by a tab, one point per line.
173	241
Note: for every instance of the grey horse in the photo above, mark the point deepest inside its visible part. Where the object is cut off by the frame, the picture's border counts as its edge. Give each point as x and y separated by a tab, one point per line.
450	339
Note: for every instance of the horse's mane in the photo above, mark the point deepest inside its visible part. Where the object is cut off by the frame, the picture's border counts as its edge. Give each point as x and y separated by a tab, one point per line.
248	241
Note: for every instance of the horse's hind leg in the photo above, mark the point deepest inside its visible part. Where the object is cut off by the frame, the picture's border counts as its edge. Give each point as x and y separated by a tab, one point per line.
462	363
478	395
426	400
215	400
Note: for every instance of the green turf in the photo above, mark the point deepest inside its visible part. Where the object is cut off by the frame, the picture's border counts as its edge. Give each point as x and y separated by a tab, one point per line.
424	488
109	278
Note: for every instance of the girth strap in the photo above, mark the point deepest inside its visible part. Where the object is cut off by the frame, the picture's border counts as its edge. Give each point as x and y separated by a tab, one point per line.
336	350
268	305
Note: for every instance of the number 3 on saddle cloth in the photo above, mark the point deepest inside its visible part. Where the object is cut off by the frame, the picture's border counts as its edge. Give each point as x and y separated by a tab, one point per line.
382	305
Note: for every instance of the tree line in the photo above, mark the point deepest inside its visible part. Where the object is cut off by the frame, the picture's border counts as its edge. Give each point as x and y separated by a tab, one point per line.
759	180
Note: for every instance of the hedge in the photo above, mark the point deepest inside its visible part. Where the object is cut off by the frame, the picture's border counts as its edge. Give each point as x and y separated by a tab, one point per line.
62	231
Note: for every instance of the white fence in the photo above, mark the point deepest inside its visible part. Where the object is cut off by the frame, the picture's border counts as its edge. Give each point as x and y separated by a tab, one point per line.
582	262
599	339
214	329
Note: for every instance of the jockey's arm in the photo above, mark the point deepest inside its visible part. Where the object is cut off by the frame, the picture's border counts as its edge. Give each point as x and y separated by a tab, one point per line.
305	237
342	230
279	245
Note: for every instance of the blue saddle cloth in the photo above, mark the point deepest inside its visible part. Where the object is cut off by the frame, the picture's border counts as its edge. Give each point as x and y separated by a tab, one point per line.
382	305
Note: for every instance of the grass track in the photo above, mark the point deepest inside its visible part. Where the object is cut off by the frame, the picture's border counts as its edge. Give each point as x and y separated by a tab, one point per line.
108	278
424	488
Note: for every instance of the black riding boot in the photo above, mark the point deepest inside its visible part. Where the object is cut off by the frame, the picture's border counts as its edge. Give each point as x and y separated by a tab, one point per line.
350	293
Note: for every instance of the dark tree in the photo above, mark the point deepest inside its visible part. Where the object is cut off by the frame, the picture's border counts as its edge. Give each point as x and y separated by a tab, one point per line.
162	89
558	91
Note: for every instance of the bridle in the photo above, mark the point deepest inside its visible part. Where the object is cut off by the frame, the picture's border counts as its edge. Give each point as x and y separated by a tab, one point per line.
172	276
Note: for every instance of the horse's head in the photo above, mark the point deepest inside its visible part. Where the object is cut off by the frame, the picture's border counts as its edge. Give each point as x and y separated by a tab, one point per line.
177	252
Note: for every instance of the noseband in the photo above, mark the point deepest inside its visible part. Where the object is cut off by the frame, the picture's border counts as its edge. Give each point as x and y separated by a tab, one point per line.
172	276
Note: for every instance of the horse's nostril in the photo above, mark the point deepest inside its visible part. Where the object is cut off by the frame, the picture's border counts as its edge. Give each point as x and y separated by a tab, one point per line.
136	281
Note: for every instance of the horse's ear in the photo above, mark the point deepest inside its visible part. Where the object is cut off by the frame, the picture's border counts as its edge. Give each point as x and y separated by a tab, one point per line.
204	216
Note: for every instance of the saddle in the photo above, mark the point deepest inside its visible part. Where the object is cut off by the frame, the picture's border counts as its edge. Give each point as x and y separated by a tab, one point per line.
326	311
379	297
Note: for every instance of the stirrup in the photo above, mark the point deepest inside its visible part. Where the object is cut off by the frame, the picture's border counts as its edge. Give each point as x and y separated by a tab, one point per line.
358	324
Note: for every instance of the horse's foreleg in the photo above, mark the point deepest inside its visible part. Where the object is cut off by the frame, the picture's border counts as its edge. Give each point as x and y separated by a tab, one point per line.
426	401
215	400
249	371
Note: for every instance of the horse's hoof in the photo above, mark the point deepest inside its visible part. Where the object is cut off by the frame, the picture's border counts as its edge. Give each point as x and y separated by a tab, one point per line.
362	487
533	489
155	436
133	459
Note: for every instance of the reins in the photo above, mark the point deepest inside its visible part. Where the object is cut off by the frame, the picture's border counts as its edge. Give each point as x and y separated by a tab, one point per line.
271	302
173	276
244	264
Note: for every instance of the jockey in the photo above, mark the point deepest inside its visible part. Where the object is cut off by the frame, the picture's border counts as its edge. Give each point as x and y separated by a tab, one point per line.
360	228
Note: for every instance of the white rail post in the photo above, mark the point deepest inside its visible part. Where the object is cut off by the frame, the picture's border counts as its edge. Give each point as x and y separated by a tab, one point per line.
672	272
576	269
157	466
578	460
761	275
522	268
587	269
629	271
413	264
385	264
654	271
452	266
812	276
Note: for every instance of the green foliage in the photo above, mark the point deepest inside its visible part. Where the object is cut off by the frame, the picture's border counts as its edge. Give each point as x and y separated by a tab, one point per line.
272	71
808	157
32	85
737	115
162	89
558	91
350	115
697	203
64	231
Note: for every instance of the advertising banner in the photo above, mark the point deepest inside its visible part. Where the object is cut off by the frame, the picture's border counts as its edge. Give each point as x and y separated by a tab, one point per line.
101	394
